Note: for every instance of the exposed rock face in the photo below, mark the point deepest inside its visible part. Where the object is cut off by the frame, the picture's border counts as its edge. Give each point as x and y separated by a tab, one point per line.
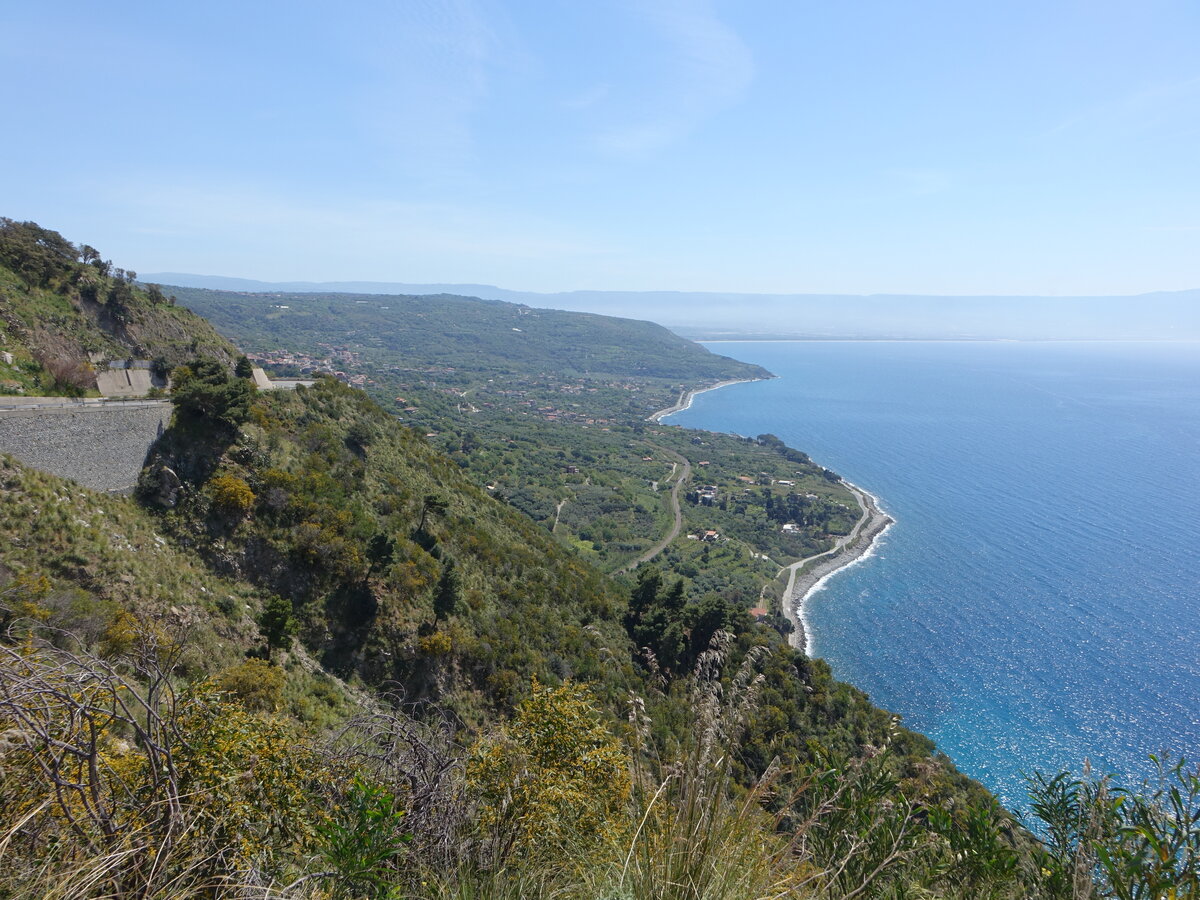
128	382
160	485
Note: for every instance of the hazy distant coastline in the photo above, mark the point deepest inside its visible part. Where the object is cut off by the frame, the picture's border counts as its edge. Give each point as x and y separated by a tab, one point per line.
1163	315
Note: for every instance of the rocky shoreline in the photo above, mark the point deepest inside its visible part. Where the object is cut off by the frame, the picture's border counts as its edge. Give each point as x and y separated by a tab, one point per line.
807	573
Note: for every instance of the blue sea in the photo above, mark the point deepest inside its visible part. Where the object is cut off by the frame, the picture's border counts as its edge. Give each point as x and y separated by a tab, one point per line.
1037	602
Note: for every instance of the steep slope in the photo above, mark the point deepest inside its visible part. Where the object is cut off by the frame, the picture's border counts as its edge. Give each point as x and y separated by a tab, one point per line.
396	567
64	311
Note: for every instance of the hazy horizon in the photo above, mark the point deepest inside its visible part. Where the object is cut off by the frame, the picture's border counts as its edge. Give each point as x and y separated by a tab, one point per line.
698	145
1154	316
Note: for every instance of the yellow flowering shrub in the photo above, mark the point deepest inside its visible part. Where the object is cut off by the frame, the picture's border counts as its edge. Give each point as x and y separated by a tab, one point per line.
232	495
226	790
21	599
437	644
255	683
254	784
555	780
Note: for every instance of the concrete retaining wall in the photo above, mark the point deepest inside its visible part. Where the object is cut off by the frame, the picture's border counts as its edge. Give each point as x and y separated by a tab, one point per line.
100	446
126	382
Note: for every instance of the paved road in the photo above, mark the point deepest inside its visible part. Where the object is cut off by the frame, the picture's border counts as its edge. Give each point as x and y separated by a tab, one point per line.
836	548
662	545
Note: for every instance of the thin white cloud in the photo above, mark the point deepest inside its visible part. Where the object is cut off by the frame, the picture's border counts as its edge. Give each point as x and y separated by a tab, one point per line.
427	67
708	69
1136	111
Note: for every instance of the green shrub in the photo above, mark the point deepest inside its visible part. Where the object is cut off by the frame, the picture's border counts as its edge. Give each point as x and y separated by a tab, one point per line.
204	391
364	842
255	683
553	784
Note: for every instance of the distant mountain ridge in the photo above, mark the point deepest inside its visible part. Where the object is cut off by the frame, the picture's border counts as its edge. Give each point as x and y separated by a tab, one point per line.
1163	315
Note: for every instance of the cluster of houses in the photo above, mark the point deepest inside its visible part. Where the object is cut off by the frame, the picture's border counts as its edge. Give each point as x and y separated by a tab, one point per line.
340	363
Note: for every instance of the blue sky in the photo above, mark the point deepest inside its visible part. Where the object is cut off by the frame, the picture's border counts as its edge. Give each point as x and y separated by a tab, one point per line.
922	147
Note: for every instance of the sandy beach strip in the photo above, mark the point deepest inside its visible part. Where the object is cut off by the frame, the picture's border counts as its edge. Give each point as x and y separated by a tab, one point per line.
808	573
685	399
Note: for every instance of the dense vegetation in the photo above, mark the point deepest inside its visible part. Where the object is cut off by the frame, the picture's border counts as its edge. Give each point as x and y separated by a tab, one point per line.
394	566
124	777
316	657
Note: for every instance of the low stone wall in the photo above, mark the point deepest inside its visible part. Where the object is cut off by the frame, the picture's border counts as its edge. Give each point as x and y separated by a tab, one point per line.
100	446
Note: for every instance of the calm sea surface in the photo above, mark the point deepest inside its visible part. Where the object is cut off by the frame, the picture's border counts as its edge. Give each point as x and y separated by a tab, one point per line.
1038	601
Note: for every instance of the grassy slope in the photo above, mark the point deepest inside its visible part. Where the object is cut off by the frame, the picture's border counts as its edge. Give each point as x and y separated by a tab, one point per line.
105	557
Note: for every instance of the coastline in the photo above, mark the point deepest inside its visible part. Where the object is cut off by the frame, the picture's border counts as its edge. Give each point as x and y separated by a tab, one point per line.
807	574
685	398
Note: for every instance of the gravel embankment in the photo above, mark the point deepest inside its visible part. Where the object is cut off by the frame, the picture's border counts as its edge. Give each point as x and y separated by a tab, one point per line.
100	447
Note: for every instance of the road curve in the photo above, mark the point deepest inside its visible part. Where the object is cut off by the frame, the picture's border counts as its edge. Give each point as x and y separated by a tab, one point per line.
684	475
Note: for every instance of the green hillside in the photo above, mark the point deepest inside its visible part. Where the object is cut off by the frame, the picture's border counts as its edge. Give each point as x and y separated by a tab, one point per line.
62	306
396	567
547	410
468	335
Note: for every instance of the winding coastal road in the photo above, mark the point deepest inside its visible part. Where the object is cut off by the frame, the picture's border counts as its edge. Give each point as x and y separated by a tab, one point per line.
677	526
845	550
